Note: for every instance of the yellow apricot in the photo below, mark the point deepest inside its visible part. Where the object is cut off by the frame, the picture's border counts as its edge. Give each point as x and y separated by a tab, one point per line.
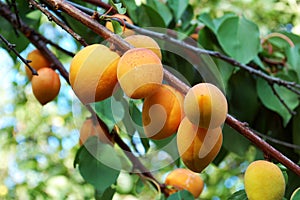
127	32
143	41
198	147
162	112
264	180
90	128
140	72
93	73
184	179
46	85
38	61
205	105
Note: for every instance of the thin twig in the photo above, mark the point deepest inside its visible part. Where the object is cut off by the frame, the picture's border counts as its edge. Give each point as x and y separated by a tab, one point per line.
285	144
69	53
51	17
281	100
11	47
102	5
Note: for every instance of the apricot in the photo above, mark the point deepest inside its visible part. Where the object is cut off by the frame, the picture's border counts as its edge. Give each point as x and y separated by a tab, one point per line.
162	112
93	73
143	41
264	180
46	85
184	179
140	72
205	106
126	32
38	61
90	128
198	147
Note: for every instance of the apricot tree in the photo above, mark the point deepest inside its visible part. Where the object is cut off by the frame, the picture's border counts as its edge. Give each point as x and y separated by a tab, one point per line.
166	88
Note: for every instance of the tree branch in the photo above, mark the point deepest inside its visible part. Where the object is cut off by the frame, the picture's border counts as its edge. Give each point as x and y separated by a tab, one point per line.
115	137
174	81
34	37
11	47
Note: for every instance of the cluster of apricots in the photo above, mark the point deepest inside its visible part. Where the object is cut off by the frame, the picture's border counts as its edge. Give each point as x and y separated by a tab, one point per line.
96	72
46	84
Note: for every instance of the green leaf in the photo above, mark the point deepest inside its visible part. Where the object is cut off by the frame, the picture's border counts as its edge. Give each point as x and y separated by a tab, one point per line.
187	17
239	195
296	194
118	29
241	144
136	116
107	194
293	58
110	110
118	7
162	9
213	24
150	17
296	129
178	7
131	9
98	164
239	38
183	194
269	99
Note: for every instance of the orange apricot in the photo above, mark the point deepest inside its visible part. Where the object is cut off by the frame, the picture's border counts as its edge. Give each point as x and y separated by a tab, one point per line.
90	128
38	61
140	72
93	73
46	85
184	179
143	41
162	112
205	105
198	147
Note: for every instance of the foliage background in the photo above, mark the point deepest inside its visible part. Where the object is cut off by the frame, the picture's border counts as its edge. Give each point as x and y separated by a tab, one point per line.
38	144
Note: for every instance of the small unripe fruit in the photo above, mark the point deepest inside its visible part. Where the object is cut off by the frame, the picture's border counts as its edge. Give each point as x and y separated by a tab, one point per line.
198	147
93	73
140	72
162	112
38	61
205	106
264	180
184	179
90	128
143	41
46	85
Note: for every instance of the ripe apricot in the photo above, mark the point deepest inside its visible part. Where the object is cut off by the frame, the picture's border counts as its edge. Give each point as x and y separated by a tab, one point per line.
184	179
162	112
127	32
90	128
264	180
46	85
198	147
38	61
205	105
143	41
93	73
140	72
